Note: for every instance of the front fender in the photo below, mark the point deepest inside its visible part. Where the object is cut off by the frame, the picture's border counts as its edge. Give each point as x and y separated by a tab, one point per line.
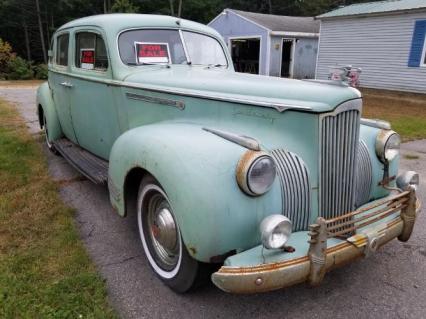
46	105
368	135
197	171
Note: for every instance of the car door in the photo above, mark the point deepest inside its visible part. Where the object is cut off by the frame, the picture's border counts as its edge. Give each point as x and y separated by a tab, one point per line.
93	111
60	83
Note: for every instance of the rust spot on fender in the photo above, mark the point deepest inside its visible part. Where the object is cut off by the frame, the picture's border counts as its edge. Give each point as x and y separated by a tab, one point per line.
192	250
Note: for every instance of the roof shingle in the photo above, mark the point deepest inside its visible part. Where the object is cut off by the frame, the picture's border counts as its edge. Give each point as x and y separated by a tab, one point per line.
281	23
375	7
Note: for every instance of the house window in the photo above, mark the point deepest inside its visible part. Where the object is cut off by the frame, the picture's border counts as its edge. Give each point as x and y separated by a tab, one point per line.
90	52
423	61
418	45
62	50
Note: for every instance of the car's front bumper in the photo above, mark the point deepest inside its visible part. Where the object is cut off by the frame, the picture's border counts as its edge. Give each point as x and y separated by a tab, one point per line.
317	252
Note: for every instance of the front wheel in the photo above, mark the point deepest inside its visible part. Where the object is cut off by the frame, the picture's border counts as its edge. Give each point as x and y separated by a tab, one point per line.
162	240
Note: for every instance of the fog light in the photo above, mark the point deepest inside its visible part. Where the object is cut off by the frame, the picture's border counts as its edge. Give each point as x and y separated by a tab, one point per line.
407	179
275	231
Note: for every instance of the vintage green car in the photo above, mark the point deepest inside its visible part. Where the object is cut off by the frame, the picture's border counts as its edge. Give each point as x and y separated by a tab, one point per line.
275	180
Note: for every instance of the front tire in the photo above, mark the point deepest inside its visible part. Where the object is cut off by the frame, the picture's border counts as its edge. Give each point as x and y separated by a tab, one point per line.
161	238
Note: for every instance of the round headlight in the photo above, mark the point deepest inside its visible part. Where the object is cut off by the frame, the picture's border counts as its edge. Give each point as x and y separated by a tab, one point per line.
275	231
387	145
256	172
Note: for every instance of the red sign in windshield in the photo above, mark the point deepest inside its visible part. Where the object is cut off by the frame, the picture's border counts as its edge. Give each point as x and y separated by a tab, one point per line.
88	56
152	52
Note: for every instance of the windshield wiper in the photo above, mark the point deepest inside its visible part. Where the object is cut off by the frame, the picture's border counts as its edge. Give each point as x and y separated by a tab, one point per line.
147	63
218	65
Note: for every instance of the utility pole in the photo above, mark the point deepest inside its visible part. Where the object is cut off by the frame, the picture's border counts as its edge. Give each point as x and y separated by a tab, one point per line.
180	9
40	26
172	10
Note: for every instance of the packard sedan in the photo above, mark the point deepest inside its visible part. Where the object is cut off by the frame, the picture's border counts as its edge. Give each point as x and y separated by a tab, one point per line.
275	181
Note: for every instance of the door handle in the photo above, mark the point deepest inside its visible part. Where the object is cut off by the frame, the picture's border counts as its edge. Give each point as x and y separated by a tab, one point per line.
67	84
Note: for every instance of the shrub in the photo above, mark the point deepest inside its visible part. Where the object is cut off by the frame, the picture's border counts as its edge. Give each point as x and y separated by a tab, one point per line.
40	71
19	69
6	55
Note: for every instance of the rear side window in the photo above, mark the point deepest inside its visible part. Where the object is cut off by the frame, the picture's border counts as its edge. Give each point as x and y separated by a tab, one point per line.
62	50
90	52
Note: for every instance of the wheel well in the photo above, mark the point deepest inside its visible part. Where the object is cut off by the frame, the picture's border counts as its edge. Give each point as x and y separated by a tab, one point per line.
40	115
131	189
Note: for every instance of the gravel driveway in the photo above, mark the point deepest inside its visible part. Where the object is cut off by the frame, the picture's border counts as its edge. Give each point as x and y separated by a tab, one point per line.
389	284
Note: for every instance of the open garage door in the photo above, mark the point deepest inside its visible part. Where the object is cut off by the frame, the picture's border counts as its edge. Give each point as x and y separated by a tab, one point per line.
245	54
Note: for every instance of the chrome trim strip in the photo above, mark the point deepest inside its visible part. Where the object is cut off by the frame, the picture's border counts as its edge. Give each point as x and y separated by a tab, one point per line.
156	100
376	123
280	107
245	141
295	188
185	50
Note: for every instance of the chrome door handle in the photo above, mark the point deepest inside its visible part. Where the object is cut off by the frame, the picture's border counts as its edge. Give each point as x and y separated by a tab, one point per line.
67	84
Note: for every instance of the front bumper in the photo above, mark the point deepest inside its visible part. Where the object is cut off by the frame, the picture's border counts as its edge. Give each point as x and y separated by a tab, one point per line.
322	249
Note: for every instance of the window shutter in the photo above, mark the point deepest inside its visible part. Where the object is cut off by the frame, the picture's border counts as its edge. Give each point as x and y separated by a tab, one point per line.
417	43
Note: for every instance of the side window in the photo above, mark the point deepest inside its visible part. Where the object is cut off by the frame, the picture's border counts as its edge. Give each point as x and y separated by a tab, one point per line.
90	52
62	50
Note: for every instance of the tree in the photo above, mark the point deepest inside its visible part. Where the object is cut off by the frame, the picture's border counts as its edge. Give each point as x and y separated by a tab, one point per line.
124	6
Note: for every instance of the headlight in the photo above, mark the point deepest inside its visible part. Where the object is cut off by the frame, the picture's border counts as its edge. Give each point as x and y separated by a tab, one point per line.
275	231
255	172
387	145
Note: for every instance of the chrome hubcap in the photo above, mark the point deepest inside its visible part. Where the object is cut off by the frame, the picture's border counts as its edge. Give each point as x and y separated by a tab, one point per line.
163	231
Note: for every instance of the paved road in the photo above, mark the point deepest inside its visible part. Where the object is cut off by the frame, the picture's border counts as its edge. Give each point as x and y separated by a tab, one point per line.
389	284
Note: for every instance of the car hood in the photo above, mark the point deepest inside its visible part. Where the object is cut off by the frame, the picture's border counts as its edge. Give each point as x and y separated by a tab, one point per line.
223	84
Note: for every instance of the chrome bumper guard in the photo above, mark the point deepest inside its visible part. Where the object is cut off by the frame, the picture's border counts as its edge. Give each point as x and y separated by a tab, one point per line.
360	241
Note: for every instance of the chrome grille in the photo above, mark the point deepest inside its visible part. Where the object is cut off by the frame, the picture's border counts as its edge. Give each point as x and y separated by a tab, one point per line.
339	143
363	175
295	188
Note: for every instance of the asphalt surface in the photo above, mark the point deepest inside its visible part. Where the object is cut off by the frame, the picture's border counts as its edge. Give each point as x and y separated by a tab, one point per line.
389	284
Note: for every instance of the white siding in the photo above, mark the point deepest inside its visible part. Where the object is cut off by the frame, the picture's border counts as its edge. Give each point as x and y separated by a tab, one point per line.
380	45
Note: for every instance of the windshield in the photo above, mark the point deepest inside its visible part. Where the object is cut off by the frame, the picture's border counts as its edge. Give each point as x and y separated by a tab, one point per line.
139	47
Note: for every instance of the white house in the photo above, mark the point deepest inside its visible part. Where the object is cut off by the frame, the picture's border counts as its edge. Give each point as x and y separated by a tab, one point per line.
386	39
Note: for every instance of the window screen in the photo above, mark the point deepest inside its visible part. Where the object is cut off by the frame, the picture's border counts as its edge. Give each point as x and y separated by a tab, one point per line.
62	50
90	52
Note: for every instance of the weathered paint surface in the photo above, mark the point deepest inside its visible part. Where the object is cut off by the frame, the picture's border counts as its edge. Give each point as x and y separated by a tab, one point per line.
258	270
170	143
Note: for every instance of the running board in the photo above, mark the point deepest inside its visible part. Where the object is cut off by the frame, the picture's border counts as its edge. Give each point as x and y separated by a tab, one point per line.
91	166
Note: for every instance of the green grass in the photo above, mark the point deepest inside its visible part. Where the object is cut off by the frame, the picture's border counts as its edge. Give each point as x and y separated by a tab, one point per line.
45	271
405	111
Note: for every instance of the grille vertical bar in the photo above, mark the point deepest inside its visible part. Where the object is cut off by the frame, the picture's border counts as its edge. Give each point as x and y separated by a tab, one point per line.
363	175
339	143
295	188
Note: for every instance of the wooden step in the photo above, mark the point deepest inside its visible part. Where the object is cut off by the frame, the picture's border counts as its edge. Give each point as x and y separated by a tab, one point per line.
91	166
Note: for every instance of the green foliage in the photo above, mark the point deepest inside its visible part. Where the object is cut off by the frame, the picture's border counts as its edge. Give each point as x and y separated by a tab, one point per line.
124	6
45	271
19	69
40	72
6	55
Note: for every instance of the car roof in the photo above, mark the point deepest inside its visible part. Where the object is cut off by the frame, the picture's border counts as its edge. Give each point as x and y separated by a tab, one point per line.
117	22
